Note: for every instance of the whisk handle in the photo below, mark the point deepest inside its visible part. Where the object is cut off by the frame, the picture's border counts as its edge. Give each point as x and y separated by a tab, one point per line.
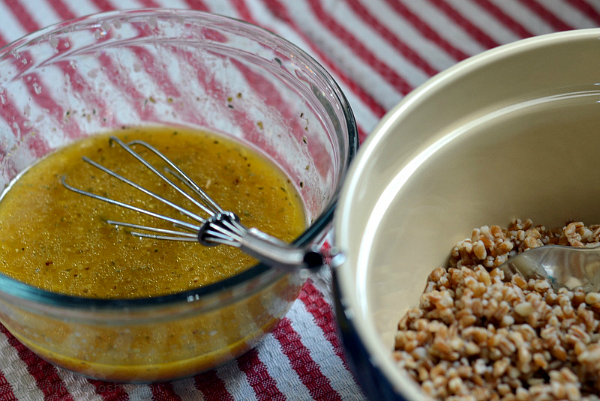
274	252
225	228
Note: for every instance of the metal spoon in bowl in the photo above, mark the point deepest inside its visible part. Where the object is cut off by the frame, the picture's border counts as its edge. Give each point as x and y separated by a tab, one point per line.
562	266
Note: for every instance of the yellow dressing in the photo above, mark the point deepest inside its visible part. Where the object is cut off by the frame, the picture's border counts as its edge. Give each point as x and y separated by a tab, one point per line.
57	240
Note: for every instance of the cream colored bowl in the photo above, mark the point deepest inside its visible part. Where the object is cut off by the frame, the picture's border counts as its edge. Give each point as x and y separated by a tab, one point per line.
513	132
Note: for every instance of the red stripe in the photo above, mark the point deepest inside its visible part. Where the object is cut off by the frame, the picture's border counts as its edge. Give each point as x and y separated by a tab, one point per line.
149	4
197	5
426	30
587	9
362	135
212	387
103	5
323	315
280	12
206	77
45	101
504	18
243	11
22	15
61	9
328	22
477	34
163	392
41	94
546	15
109	391
3	40
300	360
259	378
12	116
594	4
408	53
121	81
38	143
45	374
6	392
269	94
161	78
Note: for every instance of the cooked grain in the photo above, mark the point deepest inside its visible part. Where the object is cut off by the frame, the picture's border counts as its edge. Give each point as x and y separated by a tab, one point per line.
475	336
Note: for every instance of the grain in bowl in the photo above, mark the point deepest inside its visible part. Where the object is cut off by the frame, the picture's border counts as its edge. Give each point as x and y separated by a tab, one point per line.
476	336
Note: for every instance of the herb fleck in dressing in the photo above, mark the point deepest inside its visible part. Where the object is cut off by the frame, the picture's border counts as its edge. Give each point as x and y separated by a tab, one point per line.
58	240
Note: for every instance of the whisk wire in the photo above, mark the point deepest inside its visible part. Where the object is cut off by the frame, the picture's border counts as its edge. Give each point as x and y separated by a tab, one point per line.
180	223
172	234
183	177
144	190
133	153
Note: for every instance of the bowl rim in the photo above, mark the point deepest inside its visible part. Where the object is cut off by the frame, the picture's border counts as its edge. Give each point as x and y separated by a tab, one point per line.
352	311
34	295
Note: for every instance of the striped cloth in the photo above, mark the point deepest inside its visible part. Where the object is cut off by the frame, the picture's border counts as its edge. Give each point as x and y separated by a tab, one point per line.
378	51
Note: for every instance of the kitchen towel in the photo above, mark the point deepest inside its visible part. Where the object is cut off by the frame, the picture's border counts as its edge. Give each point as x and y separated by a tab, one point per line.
377	51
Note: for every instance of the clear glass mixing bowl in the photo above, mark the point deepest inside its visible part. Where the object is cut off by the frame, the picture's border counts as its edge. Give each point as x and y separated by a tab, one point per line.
168	67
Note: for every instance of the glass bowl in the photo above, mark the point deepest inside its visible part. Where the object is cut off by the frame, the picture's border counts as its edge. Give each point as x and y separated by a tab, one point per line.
175	68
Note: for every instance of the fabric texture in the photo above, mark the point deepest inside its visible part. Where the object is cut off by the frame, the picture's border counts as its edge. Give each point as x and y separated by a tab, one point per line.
378	51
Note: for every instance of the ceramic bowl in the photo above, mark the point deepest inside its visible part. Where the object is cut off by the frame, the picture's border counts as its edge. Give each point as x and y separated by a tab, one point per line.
511	133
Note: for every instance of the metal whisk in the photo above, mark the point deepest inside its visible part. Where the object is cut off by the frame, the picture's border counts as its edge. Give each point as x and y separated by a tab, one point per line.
221	227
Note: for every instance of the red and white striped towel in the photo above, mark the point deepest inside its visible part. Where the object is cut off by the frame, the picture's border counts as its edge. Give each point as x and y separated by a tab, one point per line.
378	51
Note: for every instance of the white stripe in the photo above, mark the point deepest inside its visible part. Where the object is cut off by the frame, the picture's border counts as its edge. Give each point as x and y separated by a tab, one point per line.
484	21
405	31
7	141
36	118
41	12
10	28
78	386
186	390
570	15
344	57
323	353
222	7
279	368
53	82
378	47
444	26
20	156
322	281
524	16
15	371
125	4
137	392
236	382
